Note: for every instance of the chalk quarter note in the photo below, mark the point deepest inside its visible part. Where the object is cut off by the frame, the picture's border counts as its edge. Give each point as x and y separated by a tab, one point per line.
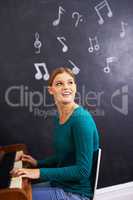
61	11
100	6
64	46
123	29
41	71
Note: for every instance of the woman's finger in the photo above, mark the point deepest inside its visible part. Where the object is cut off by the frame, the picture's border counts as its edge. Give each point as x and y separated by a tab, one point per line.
20	172
26	156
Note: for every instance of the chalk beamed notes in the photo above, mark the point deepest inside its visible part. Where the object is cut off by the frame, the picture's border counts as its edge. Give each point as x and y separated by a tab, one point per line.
109	60
41	71
101	5
75	69
94	45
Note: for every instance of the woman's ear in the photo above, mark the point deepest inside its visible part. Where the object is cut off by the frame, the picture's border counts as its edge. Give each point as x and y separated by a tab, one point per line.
75	88
50	90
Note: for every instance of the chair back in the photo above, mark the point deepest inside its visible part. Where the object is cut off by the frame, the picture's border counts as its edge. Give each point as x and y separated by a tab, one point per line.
95	171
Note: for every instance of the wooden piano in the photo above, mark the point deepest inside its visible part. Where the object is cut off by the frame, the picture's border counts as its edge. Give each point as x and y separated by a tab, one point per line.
19	188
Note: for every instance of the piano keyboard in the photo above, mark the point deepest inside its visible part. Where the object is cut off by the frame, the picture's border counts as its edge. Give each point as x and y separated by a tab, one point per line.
20	189
16	182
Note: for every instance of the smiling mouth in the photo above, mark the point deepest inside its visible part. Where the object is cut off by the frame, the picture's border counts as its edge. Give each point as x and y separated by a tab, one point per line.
65	94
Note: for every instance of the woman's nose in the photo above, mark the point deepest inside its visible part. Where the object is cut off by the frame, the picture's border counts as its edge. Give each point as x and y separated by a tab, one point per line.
65	86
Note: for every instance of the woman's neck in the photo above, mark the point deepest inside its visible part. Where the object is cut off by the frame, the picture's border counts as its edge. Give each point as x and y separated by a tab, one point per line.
65	111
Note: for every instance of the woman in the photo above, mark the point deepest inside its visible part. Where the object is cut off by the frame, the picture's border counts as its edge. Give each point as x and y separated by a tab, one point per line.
75	139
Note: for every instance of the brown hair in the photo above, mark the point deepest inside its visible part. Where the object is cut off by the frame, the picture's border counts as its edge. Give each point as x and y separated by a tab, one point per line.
60	70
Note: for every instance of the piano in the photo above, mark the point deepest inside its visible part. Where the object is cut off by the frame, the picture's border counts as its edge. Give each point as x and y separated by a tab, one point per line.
13	188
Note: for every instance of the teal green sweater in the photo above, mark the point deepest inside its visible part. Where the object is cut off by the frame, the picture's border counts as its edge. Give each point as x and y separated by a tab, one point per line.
74	144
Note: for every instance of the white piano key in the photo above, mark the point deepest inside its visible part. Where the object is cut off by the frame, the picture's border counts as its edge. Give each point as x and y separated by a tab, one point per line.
16	182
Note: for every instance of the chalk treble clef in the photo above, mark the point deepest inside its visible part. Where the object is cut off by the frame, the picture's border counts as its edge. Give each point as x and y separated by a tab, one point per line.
37	43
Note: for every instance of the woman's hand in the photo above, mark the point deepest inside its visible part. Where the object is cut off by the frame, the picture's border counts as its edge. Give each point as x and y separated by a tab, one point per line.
29	159
26	173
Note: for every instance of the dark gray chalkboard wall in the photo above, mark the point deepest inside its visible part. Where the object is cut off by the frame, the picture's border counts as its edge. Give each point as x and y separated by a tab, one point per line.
98	46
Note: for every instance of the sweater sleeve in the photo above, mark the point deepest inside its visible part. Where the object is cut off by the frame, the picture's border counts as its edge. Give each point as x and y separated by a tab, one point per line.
50	161
83	133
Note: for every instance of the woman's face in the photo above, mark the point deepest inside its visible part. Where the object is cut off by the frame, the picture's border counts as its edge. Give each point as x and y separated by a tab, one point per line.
63	88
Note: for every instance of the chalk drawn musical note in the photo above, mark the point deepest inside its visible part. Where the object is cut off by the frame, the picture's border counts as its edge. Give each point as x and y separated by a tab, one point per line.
60	12
75	69
108	61
96	44
39	74
123	31
79	18
65	47
37	43
101	5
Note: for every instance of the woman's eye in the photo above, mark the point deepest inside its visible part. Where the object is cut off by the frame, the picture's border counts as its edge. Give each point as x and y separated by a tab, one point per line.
70	82
58	84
